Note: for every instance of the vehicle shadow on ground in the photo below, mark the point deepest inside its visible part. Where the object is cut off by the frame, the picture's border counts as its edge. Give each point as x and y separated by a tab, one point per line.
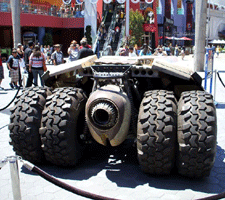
6	111
123	169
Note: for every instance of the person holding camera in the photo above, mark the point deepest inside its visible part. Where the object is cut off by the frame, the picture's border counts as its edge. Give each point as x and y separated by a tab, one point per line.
73	51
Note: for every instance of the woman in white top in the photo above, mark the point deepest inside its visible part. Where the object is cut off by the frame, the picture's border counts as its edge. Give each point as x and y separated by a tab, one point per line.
73	51
131	52
37	65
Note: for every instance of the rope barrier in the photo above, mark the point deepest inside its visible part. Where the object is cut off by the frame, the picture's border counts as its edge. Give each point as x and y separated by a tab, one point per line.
16	188
220	79
63	185
1	109
11	100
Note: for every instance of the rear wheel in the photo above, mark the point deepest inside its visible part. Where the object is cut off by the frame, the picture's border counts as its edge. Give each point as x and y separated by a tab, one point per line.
62	125
25	122
197	132
156	135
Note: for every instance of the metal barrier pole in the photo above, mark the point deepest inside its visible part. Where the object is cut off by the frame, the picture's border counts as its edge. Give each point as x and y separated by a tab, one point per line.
211	79
206	67
215	86
15	180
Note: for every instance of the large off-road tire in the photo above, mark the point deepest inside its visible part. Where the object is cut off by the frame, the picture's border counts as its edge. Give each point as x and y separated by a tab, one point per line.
25	122
156	134
62	125
197	132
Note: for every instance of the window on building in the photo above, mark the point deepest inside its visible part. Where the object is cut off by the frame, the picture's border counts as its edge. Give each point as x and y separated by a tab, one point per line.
159	7
180	7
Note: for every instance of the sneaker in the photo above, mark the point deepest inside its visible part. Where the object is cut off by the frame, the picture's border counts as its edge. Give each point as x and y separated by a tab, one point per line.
11	85
17	87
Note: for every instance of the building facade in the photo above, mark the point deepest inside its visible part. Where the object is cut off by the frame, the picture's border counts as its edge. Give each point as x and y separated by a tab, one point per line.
64	23
172	19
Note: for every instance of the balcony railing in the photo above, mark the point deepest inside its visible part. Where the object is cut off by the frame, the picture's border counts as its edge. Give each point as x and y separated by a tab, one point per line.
64	11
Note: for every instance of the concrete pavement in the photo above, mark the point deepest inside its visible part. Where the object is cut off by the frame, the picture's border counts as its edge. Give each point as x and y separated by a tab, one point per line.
114	173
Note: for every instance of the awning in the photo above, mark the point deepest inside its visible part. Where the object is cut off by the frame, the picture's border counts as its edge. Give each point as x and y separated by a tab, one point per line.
29	34
185	38
170	38
217	42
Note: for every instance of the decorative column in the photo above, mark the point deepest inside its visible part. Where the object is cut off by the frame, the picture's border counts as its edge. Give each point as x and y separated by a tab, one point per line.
41	34
15	9
90	17
200	34
127	17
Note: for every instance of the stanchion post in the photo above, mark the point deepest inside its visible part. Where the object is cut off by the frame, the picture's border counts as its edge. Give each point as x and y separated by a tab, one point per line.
215	86
206	68
211	79
15	180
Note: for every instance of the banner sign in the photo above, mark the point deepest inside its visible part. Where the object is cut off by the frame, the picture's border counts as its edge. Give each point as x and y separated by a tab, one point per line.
121	1
149	1
149	28
107	1
66	1
135	1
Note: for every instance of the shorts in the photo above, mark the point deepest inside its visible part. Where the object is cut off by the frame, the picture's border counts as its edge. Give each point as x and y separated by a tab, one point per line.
1	73
14	74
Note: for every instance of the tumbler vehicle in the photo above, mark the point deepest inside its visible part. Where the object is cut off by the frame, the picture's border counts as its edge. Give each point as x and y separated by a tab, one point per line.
160	105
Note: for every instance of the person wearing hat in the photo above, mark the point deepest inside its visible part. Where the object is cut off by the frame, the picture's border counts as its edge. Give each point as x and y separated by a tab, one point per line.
73	51
57	56
20	50
27	54
146	50
13	66
85	51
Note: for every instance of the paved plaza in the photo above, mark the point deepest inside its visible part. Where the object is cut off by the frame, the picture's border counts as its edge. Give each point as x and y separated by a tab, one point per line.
114	173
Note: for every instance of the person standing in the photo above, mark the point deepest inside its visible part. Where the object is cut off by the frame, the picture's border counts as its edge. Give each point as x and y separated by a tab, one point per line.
183	52
218	51
131	52
85	51
124	51
73	51
1	70
146	51
37	65
13	66
57	56
176	50
27	54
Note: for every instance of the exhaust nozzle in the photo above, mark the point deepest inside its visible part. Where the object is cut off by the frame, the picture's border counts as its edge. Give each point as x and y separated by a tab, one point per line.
108	114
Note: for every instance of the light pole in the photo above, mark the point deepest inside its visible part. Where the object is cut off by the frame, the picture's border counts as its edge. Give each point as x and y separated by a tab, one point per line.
15	9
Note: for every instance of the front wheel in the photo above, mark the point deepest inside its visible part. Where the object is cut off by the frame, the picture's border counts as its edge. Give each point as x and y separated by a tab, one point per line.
197	132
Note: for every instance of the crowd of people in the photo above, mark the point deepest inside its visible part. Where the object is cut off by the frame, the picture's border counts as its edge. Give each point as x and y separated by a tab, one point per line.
146	50
32	61
72	10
